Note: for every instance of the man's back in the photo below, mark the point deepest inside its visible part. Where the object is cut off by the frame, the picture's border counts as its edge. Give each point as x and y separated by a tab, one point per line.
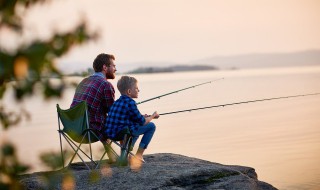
99	95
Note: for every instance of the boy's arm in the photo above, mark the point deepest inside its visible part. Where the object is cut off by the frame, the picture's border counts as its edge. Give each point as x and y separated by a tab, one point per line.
134	114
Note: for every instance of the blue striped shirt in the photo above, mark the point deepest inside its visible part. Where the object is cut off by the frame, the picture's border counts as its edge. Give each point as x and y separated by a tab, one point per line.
123	113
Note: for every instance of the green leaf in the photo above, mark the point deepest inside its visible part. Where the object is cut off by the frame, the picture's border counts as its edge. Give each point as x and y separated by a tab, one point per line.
7	150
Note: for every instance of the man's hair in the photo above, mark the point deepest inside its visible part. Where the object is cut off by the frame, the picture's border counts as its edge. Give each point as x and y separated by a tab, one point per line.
125	83
100	60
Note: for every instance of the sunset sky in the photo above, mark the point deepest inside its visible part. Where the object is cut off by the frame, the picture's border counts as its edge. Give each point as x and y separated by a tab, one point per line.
180	30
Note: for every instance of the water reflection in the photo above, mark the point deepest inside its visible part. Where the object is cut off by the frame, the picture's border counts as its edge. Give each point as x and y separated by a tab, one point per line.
280	138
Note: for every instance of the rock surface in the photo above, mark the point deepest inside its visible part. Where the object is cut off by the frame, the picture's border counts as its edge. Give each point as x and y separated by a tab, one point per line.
161	171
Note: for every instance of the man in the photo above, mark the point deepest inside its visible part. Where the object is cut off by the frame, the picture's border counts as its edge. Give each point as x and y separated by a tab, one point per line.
98	92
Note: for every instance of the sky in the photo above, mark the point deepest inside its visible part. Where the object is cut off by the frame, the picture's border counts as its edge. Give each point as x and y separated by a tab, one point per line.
178	31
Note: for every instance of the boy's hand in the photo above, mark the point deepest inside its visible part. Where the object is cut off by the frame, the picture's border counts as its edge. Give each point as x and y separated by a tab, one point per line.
155	115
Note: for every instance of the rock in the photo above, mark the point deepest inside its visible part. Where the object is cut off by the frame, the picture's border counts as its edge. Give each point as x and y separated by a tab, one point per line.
161	171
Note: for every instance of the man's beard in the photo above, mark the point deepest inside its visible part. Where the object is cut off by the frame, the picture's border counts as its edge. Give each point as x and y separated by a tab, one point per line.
110	75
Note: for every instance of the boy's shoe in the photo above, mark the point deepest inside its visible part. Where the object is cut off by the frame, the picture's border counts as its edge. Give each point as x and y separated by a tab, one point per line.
130	156
135	163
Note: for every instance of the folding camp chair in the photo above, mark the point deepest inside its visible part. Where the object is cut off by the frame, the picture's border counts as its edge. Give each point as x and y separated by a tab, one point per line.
76	131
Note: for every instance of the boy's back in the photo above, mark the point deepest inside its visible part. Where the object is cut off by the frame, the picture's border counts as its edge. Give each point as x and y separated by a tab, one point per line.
123	113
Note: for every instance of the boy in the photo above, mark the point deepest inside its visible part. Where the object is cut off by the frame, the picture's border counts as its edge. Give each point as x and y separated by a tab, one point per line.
124	113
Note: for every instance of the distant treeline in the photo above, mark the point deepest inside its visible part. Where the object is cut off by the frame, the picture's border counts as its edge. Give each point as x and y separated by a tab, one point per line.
88	72
176	68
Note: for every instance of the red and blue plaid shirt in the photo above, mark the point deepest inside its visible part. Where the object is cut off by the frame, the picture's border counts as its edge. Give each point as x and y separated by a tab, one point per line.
99	95
123	113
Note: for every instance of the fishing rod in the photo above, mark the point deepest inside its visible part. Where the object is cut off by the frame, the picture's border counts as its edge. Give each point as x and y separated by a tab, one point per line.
158	97
236	103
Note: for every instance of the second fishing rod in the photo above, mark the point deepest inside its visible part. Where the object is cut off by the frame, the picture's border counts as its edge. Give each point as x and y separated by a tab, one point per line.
237	103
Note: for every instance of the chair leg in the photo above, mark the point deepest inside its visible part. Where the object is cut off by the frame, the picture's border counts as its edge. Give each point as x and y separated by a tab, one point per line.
90	145
125	150
107	147
76	152
78	148
61	150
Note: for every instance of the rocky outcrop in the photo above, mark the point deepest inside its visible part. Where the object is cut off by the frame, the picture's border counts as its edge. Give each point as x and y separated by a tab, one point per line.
161	171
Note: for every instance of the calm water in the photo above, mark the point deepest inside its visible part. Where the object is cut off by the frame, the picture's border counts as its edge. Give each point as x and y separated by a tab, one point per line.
280	138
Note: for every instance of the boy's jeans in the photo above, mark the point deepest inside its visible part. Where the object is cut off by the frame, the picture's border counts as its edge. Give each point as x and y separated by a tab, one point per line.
147	131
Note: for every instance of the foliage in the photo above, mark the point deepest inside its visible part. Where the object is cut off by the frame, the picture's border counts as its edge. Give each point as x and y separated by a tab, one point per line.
54	159
10	167
30	65
34	62
9	12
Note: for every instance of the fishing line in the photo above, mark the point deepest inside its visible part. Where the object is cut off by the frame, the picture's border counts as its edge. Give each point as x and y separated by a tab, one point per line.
236	103
158	97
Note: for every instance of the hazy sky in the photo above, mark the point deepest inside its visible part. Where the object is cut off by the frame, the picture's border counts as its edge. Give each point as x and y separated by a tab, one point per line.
181	30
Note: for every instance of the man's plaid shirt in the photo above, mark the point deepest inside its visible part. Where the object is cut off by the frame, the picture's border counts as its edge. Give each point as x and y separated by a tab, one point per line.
99	95
123	113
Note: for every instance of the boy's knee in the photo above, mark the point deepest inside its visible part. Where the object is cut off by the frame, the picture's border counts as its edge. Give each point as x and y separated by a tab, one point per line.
152	126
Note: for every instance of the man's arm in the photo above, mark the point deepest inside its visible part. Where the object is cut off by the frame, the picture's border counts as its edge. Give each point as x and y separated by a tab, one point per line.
109	95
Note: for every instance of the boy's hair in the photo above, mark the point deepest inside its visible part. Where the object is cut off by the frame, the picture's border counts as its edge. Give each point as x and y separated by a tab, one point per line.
100	60
125	83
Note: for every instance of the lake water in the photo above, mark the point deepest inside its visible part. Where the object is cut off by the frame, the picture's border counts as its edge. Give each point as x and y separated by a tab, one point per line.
279	138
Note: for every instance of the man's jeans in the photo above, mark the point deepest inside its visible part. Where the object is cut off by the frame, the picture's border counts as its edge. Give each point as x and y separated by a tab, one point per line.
147	131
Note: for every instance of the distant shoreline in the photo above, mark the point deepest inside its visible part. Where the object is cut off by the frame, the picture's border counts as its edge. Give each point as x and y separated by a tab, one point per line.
176	68
233	62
